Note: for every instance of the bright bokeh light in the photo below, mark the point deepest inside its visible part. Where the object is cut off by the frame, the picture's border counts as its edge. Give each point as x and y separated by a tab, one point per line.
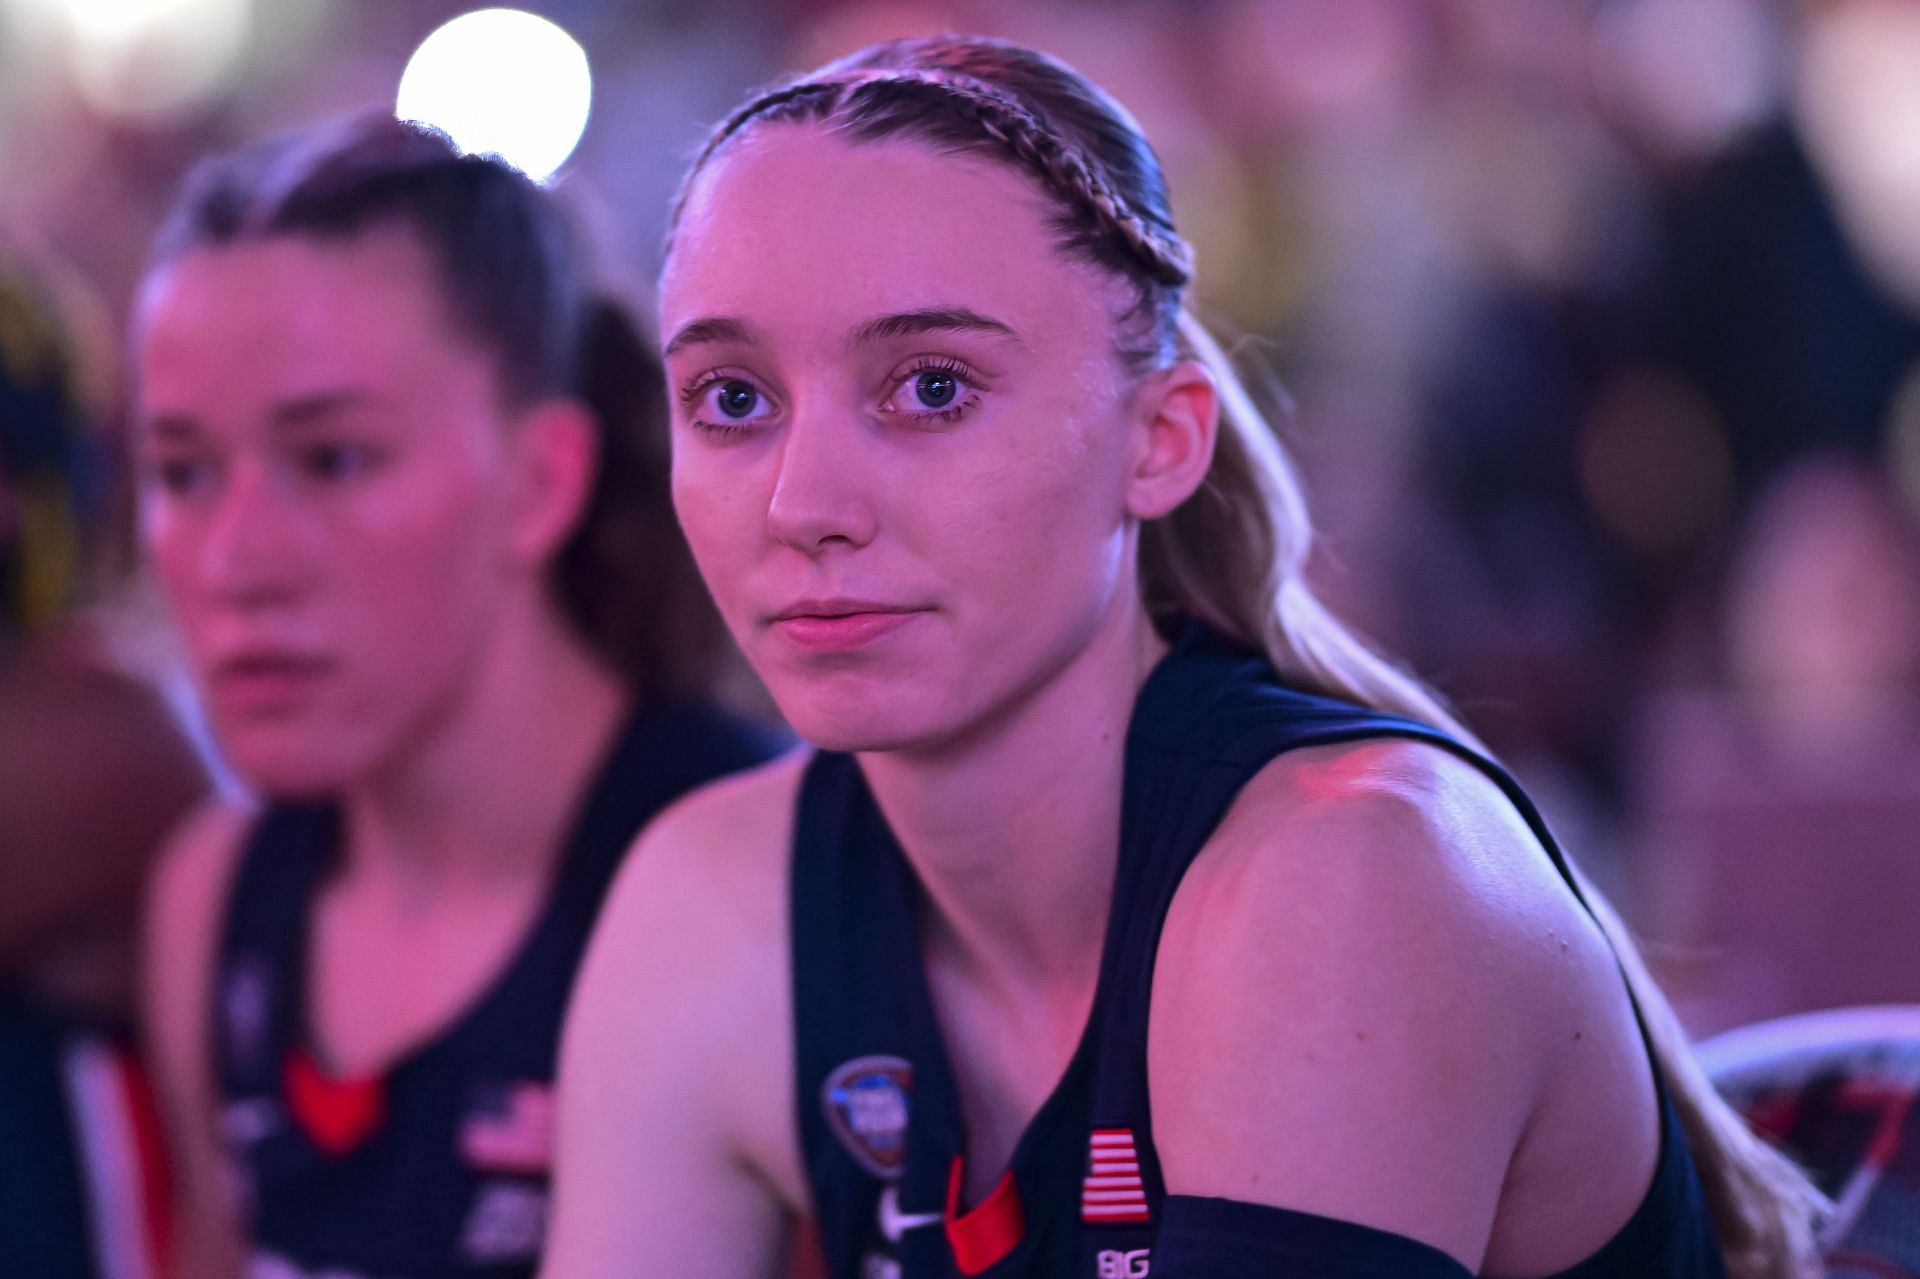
1859	92
149	58
502	81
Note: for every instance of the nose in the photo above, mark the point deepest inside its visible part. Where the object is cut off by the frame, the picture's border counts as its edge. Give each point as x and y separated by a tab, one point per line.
251	554
821	498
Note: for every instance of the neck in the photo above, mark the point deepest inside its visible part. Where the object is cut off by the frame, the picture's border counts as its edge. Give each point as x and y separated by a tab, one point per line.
486	787
1015	831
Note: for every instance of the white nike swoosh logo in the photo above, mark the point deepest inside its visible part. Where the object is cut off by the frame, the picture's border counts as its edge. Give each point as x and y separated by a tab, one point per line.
894	1223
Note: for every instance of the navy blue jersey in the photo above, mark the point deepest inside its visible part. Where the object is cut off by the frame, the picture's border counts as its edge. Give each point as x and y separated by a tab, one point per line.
1082	1197
438	1167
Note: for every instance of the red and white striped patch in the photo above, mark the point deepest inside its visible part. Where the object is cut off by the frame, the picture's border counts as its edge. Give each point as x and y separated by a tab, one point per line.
1113	1191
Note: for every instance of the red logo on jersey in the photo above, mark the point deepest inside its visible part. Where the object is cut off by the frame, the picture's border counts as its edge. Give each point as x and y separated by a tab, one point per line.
336	1114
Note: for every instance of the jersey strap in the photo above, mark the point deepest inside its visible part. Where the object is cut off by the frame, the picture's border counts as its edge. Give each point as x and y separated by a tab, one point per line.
1225	1239
256	998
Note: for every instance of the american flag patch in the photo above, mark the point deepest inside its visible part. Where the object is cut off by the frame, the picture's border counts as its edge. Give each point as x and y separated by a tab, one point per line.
1112	1191
509	1128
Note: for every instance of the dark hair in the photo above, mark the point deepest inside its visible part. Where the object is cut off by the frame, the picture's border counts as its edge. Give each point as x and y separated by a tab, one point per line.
510	269
1235	553
55	468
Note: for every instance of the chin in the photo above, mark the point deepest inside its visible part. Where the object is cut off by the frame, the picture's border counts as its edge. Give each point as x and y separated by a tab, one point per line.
839	719
290	764
836	730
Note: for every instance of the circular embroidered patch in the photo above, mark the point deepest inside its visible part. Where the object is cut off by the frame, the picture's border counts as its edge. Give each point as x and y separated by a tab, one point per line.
866	1104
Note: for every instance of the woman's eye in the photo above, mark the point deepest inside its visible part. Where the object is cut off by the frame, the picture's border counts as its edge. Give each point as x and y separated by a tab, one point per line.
725	406
337	461
935	388
183	476
736	400
934	393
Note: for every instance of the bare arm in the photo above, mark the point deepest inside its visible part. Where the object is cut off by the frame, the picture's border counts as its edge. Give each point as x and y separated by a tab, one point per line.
676	1133
183	924
1377	1002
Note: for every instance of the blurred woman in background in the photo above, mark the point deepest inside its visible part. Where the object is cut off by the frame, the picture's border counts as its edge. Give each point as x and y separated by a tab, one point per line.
1134	917
404	483
1780	788
94	768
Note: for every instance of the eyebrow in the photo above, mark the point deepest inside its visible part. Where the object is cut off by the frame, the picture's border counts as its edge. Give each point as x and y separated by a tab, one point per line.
170	426
291	414
714	328
304	410
945	319
942	319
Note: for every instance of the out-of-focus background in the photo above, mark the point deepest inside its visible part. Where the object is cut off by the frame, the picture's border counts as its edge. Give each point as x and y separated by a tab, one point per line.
1600	320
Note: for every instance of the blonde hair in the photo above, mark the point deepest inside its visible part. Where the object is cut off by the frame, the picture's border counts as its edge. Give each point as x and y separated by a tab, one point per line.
1236	558
1235	554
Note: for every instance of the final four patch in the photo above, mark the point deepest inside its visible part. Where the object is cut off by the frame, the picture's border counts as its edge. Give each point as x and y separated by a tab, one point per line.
866	1104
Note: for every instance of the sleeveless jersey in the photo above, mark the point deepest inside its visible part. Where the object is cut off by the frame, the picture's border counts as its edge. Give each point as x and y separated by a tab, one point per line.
881	1128
439	1166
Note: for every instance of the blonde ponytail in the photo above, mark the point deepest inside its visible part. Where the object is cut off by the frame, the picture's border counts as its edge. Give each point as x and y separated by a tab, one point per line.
1235	556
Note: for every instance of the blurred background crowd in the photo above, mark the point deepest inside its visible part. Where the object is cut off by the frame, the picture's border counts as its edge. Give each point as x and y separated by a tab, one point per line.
1599	323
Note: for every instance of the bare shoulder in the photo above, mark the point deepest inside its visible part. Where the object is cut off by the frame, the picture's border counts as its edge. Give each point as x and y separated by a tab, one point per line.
1400	832
720	850
197	865
186	902
1384	874
679	1035
187	898
742	809
695	927
1374	956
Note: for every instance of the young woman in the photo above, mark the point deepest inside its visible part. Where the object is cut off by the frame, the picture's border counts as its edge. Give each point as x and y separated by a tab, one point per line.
1132	916
405	486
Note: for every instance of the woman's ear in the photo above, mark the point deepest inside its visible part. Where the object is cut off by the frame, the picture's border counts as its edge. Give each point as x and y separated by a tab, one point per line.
1179	419
556	456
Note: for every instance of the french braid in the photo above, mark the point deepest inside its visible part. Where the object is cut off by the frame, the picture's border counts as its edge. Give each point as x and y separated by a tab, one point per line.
1040	149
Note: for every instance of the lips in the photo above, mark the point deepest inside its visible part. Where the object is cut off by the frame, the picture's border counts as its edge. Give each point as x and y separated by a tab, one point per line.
840	625
265	681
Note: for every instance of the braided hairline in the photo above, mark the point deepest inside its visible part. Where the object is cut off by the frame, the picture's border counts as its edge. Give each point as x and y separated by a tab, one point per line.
1061	165
1066	169
733	124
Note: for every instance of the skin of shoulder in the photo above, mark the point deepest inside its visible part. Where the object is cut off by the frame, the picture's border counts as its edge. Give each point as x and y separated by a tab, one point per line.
1370	982
676	1152
186	907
